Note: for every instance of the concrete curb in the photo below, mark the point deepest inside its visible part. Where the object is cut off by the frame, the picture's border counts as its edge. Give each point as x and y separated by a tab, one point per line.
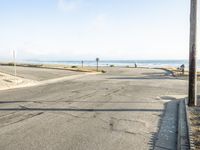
183	140
191	141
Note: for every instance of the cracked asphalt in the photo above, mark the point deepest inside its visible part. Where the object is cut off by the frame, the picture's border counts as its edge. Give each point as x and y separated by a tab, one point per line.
121	109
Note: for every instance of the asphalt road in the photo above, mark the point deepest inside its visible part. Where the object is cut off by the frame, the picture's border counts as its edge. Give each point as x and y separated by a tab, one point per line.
119	110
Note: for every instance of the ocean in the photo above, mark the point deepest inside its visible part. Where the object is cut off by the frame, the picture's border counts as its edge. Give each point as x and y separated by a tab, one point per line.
122	63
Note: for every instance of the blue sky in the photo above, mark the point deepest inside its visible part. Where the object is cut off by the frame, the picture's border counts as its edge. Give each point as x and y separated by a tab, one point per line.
86	29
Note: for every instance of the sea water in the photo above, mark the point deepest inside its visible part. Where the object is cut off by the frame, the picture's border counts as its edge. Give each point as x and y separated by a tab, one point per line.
121	63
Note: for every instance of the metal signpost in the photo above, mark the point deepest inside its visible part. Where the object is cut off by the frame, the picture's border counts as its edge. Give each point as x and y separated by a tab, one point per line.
82	63
97	60
192	95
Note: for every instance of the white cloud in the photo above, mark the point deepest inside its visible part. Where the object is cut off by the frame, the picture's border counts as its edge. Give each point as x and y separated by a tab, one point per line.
69	5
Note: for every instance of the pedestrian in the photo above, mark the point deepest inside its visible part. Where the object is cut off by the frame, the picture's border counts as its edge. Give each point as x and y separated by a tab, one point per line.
135	65
182	68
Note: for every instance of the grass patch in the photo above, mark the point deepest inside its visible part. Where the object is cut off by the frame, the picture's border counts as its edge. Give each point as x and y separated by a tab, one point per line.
103	71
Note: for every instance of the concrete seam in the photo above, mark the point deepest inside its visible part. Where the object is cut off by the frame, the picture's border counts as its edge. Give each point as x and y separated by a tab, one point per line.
183	142
191	141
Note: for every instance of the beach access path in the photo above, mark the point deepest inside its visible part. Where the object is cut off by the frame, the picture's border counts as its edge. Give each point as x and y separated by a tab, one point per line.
121	109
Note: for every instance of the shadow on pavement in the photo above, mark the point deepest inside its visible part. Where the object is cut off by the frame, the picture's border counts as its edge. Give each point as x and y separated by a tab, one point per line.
168	98
144	78
164	138
149	76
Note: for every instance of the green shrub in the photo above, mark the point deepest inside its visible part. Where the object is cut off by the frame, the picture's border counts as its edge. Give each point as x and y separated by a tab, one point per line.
10	64
74	67
112	66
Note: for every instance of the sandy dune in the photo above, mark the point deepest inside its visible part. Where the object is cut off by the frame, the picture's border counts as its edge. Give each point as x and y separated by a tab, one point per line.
8	81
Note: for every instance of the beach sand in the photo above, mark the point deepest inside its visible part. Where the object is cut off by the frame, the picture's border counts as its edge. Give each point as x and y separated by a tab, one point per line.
9	81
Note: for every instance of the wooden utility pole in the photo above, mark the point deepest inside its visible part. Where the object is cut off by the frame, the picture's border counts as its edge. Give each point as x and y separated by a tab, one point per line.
192	60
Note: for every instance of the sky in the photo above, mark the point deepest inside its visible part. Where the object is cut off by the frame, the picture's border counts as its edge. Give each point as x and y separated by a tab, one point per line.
86	29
